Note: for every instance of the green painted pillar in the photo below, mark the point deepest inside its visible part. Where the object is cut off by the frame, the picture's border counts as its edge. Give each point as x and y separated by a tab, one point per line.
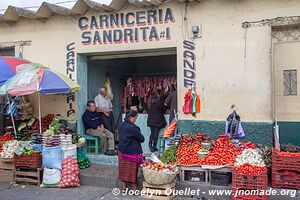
82	96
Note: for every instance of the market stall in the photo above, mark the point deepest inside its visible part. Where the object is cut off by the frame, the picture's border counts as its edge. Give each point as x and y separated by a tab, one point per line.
44	149
226	161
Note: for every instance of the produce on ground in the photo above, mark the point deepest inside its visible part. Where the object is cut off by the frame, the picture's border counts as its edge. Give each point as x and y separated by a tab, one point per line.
158	166
9	149
223	152
169	156
70	173
249	169
187	153
290	148
250	156
83	161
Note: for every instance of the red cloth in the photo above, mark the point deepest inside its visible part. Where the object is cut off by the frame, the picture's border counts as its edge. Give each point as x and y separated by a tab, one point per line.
187	105
128	170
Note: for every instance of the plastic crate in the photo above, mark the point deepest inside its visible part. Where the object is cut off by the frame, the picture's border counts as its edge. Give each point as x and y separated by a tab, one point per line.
250	182
246	197
220	178
286	179
284	162
28	161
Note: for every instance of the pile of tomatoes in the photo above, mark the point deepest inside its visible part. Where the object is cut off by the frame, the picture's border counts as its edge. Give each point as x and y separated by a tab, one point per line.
187	153
223	152
289	154
249	169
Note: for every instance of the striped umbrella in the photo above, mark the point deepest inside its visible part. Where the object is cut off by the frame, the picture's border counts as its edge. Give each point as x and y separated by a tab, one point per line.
9	67
40	79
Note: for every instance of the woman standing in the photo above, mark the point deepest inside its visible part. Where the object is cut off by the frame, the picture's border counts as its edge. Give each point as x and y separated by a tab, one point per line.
130	153
156	119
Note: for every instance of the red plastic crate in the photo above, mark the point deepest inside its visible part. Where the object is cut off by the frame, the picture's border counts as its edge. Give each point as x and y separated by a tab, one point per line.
250	182
28	161
247	197
286	179
284	162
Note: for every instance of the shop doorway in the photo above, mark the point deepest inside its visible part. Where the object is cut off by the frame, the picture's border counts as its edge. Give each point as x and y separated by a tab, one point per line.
286	90
143	71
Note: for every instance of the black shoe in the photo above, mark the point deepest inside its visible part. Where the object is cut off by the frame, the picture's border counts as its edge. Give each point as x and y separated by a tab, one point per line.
110	153
155	149
151	148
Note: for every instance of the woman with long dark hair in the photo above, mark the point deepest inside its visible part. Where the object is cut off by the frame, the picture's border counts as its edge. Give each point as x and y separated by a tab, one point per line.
130	153
156	119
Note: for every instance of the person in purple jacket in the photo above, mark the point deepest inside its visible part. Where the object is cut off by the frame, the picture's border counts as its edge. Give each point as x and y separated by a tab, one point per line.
94	126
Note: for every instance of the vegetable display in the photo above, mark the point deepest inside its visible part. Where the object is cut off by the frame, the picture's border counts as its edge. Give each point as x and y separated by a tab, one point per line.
223	152
159	166
24	148
9	149
290	148
266	153
249	169
83	161
4	138
289	154
250	156
187	153
70	173
169	156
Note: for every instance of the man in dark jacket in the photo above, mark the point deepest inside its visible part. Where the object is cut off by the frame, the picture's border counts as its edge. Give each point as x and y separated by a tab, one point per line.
94	126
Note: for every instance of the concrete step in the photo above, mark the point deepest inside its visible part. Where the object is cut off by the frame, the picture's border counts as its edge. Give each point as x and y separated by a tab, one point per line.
103	159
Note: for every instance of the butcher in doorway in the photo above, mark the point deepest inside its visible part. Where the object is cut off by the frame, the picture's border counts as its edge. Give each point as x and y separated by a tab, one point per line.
104	106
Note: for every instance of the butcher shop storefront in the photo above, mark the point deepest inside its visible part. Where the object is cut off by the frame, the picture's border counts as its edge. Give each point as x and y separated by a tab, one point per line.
216	50
132	76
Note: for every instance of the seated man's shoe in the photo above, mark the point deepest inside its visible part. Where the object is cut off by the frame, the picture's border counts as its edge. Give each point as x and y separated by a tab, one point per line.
110	153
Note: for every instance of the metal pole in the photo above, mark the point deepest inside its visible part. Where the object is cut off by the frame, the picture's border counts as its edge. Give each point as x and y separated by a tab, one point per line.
12	117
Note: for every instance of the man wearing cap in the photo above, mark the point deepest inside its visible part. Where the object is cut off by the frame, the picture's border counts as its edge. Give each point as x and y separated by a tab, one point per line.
104	107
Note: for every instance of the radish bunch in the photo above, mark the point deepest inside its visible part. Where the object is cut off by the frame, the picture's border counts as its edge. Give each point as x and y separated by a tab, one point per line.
70	173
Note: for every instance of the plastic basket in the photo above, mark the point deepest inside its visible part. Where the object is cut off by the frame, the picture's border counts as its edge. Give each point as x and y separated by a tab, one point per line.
286	179
28	161
284	162
158	177
250	182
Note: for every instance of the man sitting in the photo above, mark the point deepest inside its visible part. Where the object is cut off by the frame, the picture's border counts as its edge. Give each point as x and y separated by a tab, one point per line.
94	126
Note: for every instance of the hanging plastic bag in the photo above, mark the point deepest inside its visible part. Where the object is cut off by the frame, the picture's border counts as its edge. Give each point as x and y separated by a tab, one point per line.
233	126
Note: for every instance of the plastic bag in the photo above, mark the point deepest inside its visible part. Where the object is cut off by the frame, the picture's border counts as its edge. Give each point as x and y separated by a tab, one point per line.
52	157
83	161
51	178
69	152
233	126
70	173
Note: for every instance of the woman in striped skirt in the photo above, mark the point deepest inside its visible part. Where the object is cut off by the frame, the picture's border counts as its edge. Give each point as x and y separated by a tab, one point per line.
130	151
